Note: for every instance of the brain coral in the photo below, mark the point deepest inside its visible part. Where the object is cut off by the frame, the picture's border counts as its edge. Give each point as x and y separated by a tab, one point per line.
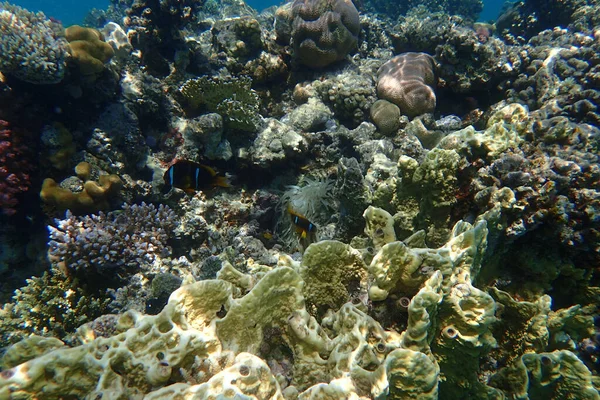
323	31
408	80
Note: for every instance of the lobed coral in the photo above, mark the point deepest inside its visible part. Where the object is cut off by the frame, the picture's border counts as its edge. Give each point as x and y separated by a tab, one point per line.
89	51
218	336
90	195
323	32
115	241
32	47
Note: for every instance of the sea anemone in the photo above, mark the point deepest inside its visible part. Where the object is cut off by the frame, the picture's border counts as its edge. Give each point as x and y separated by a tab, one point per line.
311	198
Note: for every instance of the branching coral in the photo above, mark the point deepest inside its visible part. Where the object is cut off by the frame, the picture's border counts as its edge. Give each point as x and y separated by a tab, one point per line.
32	47
54	304
113	241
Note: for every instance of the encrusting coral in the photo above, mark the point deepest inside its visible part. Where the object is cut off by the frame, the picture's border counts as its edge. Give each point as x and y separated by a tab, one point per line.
212	338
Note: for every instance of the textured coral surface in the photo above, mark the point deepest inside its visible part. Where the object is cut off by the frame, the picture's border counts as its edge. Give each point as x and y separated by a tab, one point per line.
323	200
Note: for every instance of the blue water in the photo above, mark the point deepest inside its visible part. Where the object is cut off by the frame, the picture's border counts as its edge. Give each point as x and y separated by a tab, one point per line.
71	12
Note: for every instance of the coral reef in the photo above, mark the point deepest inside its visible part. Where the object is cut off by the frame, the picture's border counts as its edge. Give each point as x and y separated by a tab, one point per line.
466	9
32	48
208	333
412	209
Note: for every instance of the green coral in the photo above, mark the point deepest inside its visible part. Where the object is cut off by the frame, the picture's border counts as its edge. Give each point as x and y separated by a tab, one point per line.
232	98
251	335
51	305
330	269
556	375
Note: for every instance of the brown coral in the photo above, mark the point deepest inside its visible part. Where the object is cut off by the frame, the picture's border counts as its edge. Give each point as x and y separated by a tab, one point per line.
324	31
89	50
408	80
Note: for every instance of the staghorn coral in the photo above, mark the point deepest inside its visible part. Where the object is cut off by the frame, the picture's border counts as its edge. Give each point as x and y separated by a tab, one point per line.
323	31
408	80
115	241
14	169
32	47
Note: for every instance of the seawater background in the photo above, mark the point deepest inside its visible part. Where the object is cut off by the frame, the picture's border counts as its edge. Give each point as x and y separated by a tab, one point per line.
71	12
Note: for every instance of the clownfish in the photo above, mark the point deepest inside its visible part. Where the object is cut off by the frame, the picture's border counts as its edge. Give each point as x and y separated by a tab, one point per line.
191	177
303	226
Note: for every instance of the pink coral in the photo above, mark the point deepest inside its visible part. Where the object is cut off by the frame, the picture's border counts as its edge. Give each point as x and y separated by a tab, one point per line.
14	178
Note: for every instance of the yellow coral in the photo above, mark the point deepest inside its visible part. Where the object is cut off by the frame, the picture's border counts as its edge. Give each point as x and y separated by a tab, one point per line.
89	50
93	197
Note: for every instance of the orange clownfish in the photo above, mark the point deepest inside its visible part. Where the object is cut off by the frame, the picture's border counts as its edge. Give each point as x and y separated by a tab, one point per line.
191	177
303	226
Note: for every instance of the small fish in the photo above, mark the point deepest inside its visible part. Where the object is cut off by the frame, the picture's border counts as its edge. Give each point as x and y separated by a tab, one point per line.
303	226
191	177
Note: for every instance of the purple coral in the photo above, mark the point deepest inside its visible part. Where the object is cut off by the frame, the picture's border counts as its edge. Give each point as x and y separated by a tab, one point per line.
14	178
114	240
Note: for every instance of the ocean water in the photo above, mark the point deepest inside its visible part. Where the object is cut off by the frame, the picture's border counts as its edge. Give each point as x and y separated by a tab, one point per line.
71	12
